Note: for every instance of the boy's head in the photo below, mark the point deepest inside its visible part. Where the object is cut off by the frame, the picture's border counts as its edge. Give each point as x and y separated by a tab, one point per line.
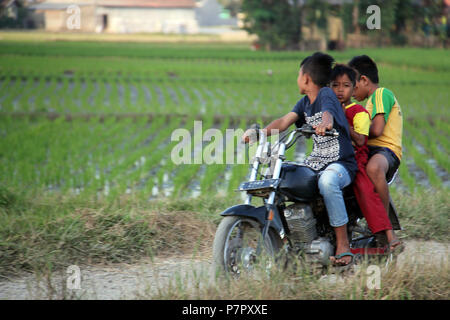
367	76
314	71
343	80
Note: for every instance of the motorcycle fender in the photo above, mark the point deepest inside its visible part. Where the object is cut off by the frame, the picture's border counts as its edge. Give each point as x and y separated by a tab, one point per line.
258	214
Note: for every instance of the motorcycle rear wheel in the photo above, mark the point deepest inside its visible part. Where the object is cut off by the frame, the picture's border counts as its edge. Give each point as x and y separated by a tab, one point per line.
238	246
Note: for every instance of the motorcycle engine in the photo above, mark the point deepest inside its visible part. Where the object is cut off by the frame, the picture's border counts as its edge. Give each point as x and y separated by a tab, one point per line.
303	234
301	223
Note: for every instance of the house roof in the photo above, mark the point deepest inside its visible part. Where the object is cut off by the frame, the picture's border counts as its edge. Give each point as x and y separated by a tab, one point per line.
53	6
63	4
148	3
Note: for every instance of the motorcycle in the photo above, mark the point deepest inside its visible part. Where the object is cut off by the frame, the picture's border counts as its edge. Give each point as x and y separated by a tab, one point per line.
292	219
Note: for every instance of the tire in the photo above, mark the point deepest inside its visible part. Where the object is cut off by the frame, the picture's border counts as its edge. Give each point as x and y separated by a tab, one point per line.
236	244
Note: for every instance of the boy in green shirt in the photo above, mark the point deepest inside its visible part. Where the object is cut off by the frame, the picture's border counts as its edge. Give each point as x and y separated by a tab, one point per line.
385	134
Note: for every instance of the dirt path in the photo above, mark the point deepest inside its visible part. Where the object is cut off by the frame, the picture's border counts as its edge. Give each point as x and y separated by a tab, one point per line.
131	281
105	282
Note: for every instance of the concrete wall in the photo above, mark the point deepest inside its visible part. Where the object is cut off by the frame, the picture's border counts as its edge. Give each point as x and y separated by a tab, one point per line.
120	19
156	20
57	20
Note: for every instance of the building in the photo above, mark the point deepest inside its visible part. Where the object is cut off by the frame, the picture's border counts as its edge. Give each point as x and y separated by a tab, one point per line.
210	13
119	16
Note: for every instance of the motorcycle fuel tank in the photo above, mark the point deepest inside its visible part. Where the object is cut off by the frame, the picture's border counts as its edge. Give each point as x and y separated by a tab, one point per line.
298	182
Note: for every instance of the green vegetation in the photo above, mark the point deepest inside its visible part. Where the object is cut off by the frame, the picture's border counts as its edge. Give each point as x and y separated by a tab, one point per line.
277	25
99	79
282	24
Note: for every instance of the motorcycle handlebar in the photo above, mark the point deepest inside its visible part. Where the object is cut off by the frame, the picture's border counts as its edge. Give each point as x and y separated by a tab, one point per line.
306	129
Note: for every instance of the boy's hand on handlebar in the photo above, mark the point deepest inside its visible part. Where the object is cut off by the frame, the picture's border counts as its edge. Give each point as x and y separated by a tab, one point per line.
250	136
322	127
325	124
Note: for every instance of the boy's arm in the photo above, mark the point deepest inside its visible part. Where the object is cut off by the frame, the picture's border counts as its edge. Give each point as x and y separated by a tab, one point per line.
280	124
377	127
326	124
330	107
382	106
358	139
359	129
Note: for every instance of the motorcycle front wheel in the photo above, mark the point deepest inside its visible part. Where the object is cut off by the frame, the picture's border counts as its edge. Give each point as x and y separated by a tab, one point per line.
238	246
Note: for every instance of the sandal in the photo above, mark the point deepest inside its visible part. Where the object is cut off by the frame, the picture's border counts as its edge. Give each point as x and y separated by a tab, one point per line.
344	254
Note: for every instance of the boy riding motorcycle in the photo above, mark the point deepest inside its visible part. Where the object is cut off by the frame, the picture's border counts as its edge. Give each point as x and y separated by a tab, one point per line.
332	157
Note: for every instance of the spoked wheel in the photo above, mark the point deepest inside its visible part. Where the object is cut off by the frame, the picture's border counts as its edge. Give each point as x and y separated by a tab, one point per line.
238	246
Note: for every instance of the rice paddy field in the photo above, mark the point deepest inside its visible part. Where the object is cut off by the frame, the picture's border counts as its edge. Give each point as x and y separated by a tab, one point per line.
95	119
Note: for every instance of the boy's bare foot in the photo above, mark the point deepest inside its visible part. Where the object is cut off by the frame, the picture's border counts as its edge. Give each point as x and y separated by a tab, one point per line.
396	246
392	239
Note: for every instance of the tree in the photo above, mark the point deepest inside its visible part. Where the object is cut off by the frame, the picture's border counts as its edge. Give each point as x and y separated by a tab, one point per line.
18	19
277	23
316	12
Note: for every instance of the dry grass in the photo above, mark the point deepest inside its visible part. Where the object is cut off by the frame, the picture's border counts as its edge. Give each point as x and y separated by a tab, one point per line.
56	232
406	281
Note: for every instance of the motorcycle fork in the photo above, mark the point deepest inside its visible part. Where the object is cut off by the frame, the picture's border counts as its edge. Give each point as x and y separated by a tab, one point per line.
265	229
270	204
263	147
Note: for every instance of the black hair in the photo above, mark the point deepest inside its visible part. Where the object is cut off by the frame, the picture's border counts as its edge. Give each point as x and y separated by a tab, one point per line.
341	69
365	67
318	67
